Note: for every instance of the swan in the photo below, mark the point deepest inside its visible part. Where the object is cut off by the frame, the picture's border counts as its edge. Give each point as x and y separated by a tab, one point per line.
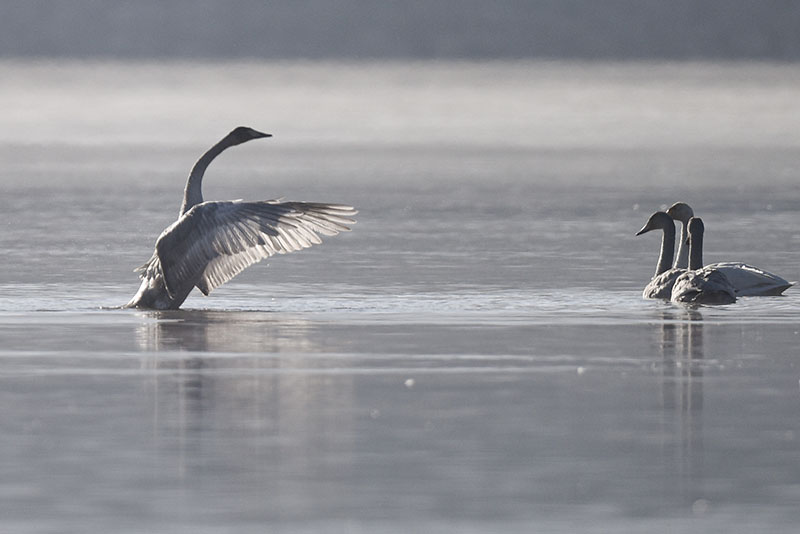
213	241
749	281
660	287
701	285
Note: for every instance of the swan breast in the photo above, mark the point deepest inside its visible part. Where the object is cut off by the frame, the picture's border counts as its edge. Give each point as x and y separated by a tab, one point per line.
660	287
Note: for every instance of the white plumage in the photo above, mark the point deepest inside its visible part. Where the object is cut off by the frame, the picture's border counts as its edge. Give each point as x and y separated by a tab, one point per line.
211	242
751	281
748	280
701	285
660	287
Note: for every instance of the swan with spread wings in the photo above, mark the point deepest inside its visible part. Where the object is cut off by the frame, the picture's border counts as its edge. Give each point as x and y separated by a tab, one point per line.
213	241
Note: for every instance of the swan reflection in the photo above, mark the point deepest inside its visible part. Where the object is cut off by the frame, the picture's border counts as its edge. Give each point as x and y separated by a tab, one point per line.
257	382
681	345
223	332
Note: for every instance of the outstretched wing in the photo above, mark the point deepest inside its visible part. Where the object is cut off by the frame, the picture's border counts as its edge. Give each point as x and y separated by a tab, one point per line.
214	241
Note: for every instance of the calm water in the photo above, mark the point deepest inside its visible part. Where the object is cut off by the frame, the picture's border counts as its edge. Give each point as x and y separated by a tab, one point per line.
474	357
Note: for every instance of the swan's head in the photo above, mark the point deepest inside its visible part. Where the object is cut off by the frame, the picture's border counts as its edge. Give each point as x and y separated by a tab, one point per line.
696	228
657	221
242	134
680	211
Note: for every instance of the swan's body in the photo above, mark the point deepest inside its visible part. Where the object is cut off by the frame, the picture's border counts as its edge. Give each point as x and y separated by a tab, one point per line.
213	241
751	281
660	287
748	280
701	285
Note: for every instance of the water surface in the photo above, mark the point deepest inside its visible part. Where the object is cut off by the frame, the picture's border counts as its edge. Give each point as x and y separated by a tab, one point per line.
474	357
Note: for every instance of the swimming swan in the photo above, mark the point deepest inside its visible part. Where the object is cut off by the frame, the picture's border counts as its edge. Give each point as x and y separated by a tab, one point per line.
749	281
213	241
660	287
701	285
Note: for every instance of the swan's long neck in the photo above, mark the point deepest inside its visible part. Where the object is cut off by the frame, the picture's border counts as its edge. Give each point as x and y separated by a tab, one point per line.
682	261
193	193
696	251
667	249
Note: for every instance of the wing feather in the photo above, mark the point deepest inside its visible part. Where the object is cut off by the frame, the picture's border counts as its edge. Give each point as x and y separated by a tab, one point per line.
214	241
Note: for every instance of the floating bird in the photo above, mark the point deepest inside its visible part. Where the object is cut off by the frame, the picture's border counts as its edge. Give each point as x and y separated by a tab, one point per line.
213	241
749	281
701	285
660	287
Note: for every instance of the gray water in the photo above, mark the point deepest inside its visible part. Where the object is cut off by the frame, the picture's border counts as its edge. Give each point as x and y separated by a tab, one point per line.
474	357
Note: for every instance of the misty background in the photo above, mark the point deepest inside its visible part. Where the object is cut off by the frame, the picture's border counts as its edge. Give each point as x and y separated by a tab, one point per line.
442	29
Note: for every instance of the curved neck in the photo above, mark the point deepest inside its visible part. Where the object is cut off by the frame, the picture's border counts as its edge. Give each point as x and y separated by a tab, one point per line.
667	249
696	252
682	260
193	193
